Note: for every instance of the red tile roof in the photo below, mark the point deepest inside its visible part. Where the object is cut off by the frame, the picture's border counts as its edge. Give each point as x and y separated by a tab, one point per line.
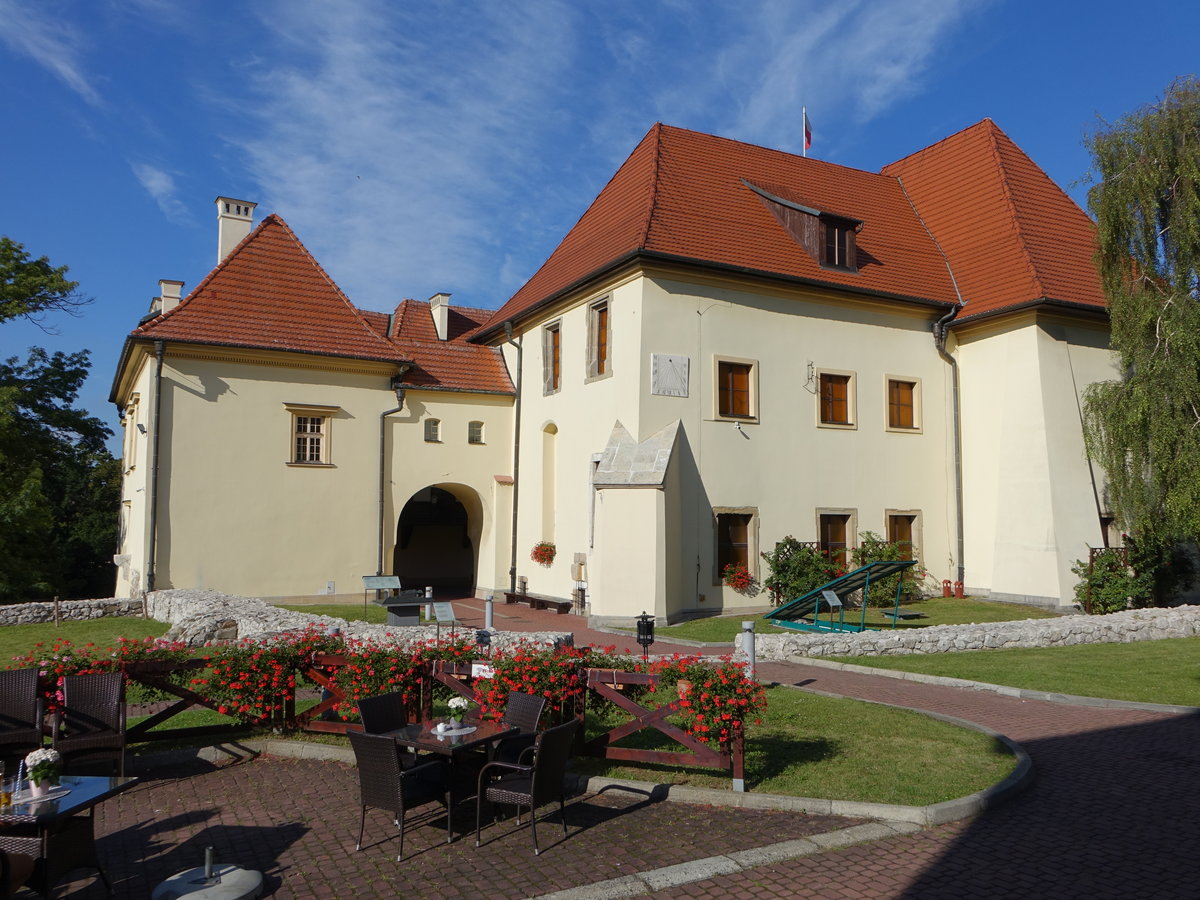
269	293
1008	230
1011	234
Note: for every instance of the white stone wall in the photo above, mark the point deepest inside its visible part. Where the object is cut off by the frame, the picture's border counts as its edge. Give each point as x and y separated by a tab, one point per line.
68	610
1122	627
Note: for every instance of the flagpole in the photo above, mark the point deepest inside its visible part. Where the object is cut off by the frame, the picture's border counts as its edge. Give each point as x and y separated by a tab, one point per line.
803	130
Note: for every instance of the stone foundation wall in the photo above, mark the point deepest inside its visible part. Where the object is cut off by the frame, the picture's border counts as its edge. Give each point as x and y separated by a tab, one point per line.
1122	627
197	617
68	611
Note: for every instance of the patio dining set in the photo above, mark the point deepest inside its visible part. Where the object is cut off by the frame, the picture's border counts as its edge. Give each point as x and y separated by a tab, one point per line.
405	765
45	837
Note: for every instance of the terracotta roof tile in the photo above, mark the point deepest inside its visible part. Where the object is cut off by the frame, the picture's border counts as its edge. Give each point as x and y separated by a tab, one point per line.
682	194
1011	234
270	293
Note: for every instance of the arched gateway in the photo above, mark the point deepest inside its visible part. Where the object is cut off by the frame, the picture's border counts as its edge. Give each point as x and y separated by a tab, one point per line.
437	539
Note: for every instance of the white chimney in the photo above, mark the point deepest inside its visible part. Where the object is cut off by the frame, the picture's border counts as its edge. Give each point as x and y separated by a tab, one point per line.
169	294
439	307
234	221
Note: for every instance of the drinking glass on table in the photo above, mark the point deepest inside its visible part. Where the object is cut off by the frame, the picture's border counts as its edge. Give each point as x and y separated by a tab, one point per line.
6	788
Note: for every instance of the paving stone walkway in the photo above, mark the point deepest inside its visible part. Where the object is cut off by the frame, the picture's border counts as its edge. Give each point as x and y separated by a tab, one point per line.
1114	812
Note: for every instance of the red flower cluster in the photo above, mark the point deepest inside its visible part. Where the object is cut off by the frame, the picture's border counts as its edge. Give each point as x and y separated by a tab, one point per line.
543	553
738	577
718	697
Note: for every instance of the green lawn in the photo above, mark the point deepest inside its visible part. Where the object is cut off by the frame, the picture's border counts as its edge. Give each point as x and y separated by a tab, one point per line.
17	640
935	611
814	746
371	613
1146	671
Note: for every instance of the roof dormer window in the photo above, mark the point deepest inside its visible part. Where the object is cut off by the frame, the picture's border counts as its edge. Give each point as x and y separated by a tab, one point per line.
837	238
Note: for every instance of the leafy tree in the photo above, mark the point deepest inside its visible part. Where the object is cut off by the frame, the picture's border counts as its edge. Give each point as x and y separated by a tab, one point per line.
33	287
1144	429
59	486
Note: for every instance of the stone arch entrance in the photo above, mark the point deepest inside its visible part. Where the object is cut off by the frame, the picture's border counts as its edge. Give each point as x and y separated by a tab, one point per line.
437	539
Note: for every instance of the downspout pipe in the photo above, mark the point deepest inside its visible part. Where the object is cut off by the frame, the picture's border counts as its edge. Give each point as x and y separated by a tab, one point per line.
151	568
939	339
397	385
512	558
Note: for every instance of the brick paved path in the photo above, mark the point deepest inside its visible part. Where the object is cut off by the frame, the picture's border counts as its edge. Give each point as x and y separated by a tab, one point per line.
1114	811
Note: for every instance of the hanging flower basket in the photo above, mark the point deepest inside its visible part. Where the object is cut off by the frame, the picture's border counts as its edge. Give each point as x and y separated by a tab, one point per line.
543	553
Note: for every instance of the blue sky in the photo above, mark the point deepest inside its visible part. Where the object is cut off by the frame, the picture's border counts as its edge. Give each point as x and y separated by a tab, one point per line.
448	146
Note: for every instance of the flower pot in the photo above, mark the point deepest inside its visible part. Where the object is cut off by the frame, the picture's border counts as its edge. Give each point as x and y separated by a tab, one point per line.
455	722
684	687
39	788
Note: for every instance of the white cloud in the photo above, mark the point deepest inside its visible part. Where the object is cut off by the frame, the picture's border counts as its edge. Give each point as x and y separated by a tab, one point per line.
36	31
161	186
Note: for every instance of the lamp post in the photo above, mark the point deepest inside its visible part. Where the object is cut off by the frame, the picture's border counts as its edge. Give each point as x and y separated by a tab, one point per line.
645	632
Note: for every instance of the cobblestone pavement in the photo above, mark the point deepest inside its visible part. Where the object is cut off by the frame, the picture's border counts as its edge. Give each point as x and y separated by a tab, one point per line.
1114	811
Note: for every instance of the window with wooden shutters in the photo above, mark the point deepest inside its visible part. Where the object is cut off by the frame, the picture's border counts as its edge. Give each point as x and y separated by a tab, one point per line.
735	539
834	536
838	243
474	432
433	430
736	389
902	528
552	358
902	404
836	398
599	339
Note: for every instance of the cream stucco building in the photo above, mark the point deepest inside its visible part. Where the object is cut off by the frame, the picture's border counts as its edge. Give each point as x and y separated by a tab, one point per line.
732	345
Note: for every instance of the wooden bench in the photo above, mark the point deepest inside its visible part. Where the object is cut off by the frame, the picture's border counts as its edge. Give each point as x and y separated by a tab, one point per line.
539	601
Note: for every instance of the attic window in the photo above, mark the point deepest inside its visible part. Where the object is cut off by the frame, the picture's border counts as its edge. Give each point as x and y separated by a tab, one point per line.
837	238
826	237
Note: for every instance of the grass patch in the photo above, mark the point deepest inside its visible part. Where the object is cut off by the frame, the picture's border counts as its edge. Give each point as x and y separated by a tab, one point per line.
1145	671
814	746
935	611
372	613
17	640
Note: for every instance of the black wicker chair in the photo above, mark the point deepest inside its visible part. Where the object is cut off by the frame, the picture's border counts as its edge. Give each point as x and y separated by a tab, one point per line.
20	714
15	869
384	784
522	711
532	785
89	731
387	712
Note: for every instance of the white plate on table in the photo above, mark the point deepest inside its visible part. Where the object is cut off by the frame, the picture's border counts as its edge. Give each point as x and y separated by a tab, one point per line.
53	794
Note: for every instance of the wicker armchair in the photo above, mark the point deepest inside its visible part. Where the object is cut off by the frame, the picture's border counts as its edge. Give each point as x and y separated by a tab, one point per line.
20	714
522	711
90	729
387	712
15	869
533	785
384	784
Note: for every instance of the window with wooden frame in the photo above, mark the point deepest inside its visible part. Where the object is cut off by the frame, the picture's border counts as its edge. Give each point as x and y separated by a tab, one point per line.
835	531
835	399
474	432
552	358
736	388
903	404
735	539
837	238
433	431
903	528
310	434
599	364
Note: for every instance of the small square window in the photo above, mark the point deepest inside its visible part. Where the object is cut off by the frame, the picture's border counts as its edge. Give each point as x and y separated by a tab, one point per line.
836	404
903	404
433	430
736	389
310	434
474	432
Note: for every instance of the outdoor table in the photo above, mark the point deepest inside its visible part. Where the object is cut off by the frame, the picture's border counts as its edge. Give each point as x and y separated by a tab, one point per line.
423	736
54	829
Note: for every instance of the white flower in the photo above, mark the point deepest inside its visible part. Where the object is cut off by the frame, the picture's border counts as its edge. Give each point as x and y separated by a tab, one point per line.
459	703
46	755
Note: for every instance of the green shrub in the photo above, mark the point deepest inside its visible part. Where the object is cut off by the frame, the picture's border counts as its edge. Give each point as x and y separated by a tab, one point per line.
797	568
872	548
